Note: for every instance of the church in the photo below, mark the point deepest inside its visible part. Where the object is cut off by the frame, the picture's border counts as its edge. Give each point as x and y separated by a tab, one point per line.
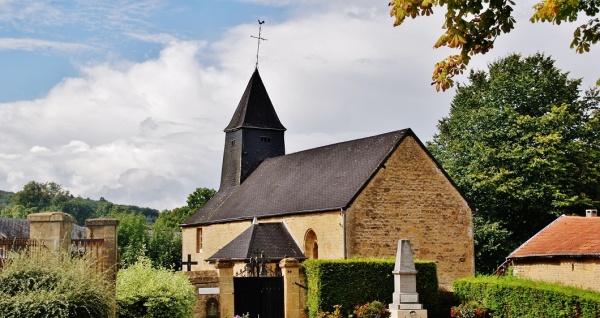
345	200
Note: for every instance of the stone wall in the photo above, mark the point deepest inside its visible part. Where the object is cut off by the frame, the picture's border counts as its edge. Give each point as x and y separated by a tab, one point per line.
203	279
411	198
581	273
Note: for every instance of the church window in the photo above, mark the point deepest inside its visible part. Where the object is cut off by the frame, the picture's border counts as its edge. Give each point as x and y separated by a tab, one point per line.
311	247
199	240
265	139
232	142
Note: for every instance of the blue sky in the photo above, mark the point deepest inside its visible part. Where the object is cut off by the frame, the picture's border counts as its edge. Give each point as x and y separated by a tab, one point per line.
128	99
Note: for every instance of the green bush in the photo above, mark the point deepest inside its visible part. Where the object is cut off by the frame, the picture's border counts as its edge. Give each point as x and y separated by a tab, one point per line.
143	291
515	297
43	284
358	281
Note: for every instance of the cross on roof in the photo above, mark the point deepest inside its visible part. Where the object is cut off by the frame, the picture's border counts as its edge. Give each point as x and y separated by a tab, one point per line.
258	38
189	263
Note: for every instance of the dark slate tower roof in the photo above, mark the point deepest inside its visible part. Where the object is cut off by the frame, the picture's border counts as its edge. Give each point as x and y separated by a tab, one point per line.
320	179
255	109
272	239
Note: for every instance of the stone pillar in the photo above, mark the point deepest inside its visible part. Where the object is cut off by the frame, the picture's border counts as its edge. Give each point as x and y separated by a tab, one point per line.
51	229
225	269
405	297
290	267
106	229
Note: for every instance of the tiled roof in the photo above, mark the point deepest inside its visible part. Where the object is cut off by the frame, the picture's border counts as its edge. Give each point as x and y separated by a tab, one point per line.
272	239
19	228
320	179
566	236
255	109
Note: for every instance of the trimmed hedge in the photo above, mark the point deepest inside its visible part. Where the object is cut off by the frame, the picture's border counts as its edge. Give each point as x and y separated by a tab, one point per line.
516	297
359	281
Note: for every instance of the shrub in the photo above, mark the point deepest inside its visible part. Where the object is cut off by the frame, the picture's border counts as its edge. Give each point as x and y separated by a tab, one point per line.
374	309
516	297
143	291
359	281
44	284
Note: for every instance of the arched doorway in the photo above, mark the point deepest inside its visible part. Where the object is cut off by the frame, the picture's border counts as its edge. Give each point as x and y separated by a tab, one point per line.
311	245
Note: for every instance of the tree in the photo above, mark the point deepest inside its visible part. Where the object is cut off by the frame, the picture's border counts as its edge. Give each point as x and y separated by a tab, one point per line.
132	234
38	196
523	146
473	26
198	198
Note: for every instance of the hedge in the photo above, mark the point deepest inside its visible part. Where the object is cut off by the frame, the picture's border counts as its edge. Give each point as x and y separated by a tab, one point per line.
516	297
359	281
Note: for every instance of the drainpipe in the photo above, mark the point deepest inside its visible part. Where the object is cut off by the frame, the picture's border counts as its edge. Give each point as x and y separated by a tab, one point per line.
344	232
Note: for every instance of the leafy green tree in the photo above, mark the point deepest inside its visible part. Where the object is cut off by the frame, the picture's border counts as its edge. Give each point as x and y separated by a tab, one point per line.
132	234
473	26
144	291
199	197
523	146
38	196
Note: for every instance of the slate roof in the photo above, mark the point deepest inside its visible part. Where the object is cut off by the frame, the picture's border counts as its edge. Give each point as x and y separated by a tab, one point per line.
320	179
571	236
271	238
19	228
255	109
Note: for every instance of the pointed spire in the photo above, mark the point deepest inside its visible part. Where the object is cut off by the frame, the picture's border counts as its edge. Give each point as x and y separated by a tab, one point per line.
255	109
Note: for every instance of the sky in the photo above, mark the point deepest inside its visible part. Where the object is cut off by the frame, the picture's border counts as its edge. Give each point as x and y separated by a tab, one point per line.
127	100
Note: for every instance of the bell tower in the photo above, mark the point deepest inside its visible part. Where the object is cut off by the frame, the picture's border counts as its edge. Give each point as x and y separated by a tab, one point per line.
253	135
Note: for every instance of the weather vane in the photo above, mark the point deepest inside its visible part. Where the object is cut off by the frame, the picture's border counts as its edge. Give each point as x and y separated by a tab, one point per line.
260	23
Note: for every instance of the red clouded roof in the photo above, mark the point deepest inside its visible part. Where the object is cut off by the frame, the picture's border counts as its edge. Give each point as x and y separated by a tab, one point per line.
566	236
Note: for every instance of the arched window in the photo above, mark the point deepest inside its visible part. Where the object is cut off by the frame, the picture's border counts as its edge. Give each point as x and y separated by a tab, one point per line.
311	246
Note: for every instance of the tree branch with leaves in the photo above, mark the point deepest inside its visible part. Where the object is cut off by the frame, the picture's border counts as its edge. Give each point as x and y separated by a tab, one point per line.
472	26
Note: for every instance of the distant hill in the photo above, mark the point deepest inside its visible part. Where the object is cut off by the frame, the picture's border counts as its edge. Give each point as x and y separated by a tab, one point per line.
5	197
81	208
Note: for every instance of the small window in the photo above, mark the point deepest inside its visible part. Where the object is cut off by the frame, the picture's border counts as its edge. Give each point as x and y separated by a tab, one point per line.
265	139
199	240
233	142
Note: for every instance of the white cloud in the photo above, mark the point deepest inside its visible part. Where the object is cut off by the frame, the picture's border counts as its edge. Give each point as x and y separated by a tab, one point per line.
150	132
36	44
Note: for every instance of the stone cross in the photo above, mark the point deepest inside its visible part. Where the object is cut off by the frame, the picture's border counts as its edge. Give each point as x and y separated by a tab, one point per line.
189	263
405	297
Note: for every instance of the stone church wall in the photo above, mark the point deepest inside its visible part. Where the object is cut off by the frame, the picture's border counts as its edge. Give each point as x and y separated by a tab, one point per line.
214	237
411	198
581	273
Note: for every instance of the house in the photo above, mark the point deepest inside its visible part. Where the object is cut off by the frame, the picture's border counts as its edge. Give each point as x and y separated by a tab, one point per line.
566	251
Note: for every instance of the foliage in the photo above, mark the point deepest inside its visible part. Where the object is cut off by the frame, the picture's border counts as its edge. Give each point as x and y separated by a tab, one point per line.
471	309
473	26
358	281
198	198
337	313
164	248
375	309
523	147
143	291
513	297
44	284
5	198
132	235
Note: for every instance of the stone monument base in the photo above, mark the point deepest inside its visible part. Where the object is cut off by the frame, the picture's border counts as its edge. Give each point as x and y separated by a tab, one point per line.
408	313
